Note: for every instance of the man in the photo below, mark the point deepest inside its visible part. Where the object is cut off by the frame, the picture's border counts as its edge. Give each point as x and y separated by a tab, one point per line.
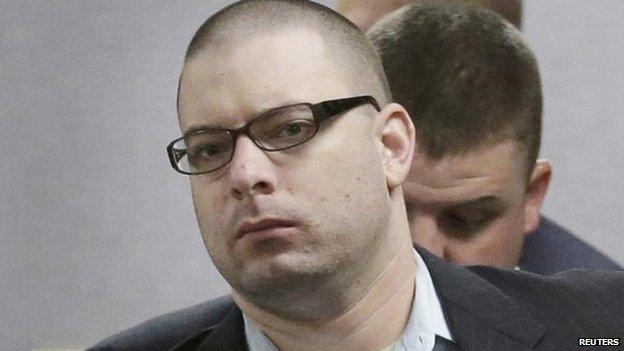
296	157
472	86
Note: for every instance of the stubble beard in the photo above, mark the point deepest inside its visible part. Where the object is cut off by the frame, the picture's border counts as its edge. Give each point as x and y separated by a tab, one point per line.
301	292
316	294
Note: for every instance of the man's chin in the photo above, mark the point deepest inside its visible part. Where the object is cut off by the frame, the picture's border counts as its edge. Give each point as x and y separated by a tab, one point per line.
285	271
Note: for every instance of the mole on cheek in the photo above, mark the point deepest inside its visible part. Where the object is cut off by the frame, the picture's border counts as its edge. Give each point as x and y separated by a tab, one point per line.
323	199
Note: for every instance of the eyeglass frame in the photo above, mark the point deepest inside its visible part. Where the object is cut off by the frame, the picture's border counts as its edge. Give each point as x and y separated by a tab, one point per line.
321	112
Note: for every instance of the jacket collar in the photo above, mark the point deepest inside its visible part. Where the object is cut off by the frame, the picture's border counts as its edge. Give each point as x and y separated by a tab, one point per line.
479	313
229	335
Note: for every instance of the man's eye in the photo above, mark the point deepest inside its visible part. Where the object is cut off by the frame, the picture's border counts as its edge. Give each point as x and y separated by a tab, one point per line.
206	151
295	128
466	223
292	129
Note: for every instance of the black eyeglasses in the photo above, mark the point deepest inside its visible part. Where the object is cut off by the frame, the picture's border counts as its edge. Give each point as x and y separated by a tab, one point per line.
280	128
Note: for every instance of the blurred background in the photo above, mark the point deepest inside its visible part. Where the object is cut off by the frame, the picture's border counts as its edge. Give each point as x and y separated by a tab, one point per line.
97	232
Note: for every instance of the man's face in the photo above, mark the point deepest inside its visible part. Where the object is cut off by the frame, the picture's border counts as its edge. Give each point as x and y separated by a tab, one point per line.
272	220
476	208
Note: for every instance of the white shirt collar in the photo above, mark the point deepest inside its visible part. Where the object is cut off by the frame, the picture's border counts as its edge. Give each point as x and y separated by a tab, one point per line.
427	318
425	322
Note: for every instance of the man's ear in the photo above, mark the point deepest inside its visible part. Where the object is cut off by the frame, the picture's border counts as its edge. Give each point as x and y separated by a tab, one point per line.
395	131
538	186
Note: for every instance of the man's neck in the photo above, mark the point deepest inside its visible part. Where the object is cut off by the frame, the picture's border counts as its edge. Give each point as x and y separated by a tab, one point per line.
372	323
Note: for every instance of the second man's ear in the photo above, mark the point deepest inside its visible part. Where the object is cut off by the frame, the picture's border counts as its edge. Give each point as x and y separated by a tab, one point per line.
538	186
396	133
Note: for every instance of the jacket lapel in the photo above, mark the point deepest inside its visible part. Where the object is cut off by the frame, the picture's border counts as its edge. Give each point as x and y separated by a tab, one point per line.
480	316
229	335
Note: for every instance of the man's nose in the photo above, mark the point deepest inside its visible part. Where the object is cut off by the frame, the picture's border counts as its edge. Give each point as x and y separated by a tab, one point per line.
426	233
251	170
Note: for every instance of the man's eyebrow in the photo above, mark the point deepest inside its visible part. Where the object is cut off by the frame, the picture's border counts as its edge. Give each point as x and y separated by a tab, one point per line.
199	128
254	115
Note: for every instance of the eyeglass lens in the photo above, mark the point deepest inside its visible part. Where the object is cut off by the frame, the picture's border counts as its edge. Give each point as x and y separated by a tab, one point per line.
277	130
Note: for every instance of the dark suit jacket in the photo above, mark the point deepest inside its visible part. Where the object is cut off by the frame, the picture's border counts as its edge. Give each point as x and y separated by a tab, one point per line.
486	308
553	249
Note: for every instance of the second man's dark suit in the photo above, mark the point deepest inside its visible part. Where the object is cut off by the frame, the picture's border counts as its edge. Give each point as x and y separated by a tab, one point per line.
552	248
486	309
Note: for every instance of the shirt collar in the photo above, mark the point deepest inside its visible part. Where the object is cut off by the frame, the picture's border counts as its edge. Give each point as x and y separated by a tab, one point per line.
425	322
427	318
256	339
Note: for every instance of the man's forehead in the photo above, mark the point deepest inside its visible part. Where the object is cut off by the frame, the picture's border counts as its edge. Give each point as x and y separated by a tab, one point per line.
277	50
261	72
450	192
493	171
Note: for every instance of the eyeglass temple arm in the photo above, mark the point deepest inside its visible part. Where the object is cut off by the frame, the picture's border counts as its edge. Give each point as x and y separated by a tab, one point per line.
327	109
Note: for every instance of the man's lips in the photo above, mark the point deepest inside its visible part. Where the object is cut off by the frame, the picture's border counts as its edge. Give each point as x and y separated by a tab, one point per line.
253	226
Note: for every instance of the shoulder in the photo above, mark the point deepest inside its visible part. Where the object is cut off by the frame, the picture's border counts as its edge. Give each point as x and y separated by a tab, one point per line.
578	299
552	248
581	282
168	330
570	303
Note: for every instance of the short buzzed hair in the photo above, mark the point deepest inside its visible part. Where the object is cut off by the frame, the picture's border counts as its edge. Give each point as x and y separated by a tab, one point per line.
347	44
465	75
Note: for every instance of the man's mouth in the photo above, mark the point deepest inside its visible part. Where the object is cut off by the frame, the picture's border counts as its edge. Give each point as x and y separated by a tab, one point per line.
263	226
